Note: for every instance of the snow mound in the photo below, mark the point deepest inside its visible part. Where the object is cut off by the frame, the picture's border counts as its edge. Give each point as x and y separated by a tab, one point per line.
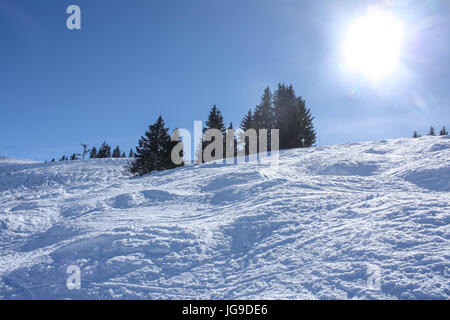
357	221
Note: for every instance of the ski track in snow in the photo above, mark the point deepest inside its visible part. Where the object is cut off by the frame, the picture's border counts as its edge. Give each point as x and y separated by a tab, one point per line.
310	229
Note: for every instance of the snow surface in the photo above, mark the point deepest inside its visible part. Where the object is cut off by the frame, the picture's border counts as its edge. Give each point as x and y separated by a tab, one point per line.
318	227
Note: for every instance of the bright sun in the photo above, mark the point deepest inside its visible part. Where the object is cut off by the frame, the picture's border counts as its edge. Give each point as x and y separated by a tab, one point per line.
373	44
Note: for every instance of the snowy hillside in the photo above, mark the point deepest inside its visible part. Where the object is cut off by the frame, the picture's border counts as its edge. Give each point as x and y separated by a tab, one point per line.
322	225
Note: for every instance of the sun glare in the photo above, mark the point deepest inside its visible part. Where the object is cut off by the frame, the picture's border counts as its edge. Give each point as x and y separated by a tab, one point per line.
373	44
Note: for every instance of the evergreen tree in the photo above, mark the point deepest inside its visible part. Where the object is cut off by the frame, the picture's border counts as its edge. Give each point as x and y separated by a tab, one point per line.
131	154
305	129
63	158
432	132
247	122
443	132
215	121
285	103
74	157
116	152
231	147
154	150
93	153
264	116
293	119
123	155
416	135
104	151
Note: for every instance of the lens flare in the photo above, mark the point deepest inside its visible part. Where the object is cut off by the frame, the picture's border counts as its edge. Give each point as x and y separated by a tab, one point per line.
373	44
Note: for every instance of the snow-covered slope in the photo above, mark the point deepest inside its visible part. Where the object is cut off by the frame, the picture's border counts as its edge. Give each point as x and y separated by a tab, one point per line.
366	220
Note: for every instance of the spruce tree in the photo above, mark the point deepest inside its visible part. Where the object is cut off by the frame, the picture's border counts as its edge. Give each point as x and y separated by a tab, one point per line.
74	157
247	122
305	129
123	155
443	132
93	153
215	121
233	148
131	154
264	112
415	135
116	152
104	151
432	132
285	103
264	116
293	119
154	150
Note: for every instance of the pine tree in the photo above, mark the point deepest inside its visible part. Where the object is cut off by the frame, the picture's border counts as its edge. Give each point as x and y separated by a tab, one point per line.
305	129
123	155
247	122
104	151
233	148
285	103
93	153
443	132
215	121
432	132
116	152
74	157
131	154
415	135
63	158
154	150
264	116
293	119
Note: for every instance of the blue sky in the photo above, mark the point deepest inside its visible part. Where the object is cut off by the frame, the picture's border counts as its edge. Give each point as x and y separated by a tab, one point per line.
134	60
